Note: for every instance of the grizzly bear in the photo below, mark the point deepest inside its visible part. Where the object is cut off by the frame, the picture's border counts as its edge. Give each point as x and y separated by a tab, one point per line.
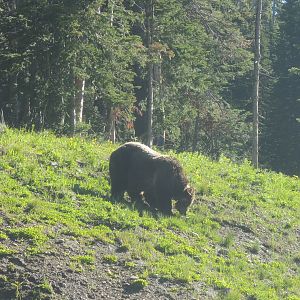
141	171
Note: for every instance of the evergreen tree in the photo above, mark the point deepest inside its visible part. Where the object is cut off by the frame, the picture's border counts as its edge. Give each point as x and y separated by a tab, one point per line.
69	65
283	144
57	54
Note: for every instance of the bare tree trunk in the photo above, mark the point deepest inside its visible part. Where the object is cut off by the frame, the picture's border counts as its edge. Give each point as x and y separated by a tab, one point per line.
150	16
2	121
13	94
13	79
239	3
112	13
76	104
12	4
24	111
149	140
63	116
112	125
257	58
273	11
112	116
196	132
164	130
79	99
72	115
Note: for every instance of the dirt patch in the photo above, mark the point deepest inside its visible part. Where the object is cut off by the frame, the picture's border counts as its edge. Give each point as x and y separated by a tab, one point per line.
55	275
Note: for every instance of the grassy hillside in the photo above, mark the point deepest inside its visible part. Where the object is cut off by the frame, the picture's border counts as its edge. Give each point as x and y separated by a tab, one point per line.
60	237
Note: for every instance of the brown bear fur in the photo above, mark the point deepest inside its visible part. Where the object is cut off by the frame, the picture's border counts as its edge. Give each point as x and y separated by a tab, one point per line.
138	169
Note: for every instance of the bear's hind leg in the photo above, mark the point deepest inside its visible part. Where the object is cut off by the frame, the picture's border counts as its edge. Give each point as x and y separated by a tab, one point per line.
118	177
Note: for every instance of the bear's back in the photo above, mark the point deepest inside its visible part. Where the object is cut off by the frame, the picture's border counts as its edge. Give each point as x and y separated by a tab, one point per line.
136	152
137	156
136	147
132	154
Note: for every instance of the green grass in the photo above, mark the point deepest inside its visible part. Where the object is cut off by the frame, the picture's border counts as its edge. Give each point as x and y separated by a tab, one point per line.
138	284
46	288
110	258
4	251
241	237
87	259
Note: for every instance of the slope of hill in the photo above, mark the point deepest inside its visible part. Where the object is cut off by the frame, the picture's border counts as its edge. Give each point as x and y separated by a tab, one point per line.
61	238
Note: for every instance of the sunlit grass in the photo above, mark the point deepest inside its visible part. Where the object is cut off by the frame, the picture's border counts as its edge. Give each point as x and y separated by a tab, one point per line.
241	237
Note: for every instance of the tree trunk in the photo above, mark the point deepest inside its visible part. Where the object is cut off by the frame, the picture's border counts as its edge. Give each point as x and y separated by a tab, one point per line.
273	11
150	16
12	4
13	79
76	104
149	141
196	133
112	14
112	125
163	142
23	111
257	57
79	99
2	121
111	113
72	116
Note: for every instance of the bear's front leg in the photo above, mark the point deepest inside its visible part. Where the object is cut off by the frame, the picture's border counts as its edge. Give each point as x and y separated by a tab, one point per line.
135	196
165	206
163	199
137	201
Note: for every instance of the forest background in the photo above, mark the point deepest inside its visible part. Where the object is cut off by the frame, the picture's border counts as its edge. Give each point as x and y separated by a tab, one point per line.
178	72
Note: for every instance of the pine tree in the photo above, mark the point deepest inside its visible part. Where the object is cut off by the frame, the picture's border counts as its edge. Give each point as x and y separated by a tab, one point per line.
284	127
257	59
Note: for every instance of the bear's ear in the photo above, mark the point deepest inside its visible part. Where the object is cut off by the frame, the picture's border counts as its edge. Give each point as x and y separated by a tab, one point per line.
189	190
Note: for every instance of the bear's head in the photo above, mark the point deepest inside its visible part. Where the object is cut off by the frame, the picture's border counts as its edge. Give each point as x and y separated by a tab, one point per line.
185	200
